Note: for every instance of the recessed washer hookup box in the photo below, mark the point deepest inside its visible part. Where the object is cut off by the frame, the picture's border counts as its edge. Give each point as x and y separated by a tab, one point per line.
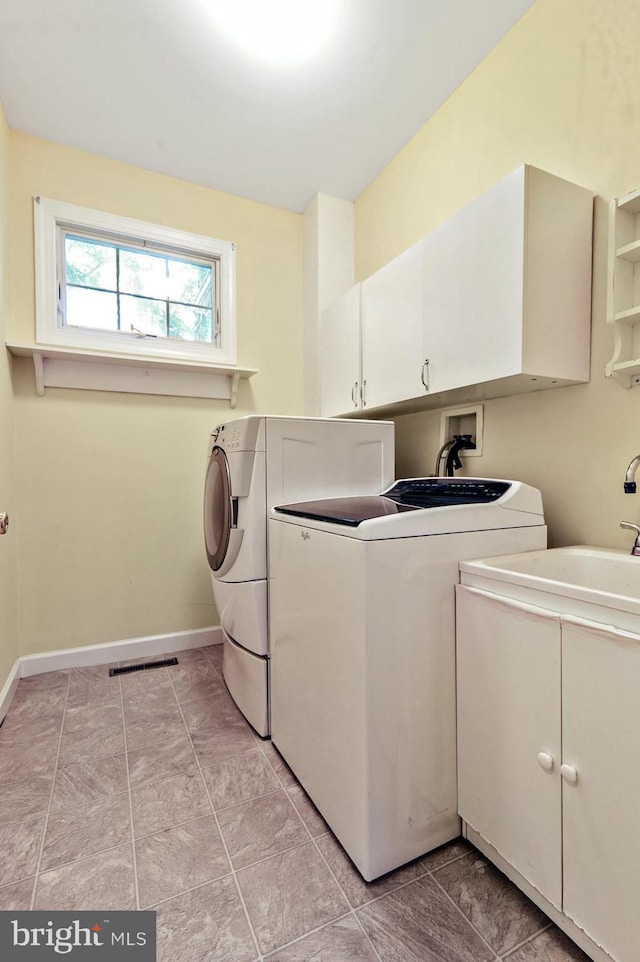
102	936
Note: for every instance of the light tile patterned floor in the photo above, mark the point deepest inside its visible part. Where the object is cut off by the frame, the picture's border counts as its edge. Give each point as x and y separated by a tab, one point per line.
149	790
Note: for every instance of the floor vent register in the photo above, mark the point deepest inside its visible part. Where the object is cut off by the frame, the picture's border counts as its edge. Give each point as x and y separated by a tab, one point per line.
166	663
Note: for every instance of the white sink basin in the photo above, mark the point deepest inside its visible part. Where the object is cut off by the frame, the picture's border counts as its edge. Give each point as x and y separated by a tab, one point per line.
600	584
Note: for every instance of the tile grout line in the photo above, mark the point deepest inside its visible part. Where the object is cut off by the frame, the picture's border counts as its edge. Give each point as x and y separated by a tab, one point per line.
268	858
136	887
228	808
84	858
318	928
187	821
259	957
496	957
352	911
193	888
505	955
53	782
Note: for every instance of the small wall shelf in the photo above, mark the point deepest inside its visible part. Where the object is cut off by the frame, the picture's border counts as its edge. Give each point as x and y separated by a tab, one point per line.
98	371
623	288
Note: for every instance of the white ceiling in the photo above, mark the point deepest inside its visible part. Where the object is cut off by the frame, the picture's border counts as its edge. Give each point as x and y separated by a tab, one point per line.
157	84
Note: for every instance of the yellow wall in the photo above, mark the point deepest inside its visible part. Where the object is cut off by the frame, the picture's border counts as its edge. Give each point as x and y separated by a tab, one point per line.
562	92
8	607
110	485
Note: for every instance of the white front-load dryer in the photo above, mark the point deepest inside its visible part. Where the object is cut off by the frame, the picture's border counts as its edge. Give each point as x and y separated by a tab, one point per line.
253	464
235	536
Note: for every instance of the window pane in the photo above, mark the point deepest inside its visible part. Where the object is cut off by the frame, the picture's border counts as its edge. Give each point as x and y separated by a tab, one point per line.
190	283
142	273
90	263
190	323
87	308
143	314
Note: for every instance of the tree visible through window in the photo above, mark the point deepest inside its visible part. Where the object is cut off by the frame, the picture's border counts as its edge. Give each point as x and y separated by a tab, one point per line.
120	287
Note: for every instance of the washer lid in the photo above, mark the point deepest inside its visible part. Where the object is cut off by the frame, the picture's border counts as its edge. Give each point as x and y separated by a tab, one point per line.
411	494
349	511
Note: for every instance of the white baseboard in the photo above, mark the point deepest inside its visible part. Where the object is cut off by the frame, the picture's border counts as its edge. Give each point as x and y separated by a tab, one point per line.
9	689
118	651
104	654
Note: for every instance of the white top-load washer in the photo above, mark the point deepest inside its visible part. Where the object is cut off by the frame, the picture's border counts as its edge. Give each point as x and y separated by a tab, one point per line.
255	463
362	621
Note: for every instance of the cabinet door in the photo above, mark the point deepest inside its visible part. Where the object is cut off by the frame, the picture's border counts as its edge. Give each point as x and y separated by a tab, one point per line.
508	684
392	330
340	355
601	740
473	289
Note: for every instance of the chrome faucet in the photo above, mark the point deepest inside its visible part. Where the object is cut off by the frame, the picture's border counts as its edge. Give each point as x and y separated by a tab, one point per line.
635	551
630	477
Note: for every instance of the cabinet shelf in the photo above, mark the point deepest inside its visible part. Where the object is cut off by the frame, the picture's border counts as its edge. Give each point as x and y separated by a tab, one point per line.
627	372
628	317
623	289
630	252
630	202
100	371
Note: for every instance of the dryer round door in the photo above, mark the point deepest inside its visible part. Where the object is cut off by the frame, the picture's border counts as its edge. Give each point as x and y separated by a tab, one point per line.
218	509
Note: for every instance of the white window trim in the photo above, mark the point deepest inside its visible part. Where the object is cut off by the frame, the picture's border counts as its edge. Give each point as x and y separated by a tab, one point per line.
50	214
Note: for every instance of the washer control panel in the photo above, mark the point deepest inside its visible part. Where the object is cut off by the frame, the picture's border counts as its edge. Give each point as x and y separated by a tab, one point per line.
433	492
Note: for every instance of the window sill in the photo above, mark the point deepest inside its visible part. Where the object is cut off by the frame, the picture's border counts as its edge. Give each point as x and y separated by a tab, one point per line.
102	371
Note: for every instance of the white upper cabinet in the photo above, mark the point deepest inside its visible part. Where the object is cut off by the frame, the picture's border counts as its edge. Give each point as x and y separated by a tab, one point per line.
392	300
340	381
507	288
473	282
494	301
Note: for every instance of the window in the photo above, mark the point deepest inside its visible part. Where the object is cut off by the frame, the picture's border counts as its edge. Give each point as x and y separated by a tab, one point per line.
117	285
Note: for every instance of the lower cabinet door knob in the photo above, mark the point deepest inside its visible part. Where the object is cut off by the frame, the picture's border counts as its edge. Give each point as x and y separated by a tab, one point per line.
546	761
569	773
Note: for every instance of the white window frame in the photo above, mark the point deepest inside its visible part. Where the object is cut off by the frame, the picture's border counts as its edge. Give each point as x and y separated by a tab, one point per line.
50	215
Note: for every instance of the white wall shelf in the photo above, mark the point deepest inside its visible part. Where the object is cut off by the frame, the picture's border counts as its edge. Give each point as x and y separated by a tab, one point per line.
623	288
98	371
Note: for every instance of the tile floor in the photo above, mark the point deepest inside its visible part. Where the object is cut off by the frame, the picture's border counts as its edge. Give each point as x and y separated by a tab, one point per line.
149	790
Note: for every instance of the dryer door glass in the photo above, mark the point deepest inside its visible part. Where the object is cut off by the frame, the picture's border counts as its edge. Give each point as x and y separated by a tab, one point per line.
217	508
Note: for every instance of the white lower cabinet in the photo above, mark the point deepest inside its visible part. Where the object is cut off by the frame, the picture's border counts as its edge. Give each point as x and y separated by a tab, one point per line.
509	713
549	760
601	740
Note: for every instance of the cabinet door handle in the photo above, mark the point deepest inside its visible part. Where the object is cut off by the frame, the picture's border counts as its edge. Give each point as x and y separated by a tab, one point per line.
569	773
546	761
363	394
424	376
354	394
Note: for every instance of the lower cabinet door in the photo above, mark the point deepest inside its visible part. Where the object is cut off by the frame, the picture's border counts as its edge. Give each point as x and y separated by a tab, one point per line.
509	732
601	744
